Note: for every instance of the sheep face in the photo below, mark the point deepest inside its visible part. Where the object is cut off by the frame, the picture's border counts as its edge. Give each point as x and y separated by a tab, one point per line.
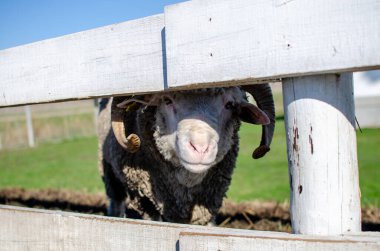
195	129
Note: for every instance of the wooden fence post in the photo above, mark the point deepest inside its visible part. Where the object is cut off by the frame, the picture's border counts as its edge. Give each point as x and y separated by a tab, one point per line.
29	126
322	155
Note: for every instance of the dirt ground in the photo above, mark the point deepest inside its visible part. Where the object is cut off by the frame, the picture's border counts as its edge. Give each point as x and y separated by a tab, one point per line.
258	215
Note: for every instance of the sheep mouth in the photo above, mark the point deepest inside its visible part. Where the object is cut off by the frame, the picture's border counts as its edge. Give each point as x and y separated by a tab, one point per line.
195	167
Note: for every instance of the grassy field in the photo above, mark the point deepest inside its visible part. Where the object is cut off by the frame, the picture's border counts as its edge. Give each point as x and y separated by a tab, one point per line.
73	165
69	165
48	128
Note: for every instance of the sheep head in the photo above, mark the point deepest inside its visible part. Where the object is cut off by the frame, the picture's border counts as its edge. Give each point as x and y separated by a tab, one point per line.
193	129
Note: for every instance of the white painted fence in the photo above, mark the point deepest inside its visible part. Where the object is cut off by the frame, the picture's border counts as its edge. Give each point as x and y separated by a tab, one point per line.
32	229
308	44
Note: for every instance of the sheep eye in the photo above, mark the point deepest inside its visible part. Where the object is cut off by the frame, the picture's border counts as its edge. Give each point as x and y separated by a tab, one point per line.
229	105
168	101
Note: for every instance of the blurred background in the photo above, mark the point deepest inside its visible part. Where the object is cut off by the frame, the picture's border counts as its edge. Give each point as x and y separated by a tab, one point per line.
55	145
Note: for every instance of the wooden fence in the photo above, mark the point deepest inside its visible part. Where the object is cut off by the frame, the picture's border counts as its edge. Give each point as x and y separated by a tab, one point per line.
27	229
312	46
25	126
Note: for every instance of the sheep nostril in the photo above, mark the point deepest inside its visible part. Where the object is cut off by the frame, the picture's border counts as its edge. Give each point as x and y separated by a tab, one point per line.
193	147
206	150
199	148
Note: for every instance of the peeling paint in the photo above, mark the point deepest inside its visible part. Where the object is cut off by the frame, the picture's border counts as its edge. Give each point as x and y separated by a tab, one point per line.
311	140
296	147
311	144
300	189
295	139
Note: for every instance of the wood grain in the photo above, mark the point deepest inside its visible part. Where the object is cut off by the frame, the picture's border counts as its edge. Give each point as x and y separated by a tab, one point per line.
115	59
322	154
26	229
221	41
241	240
33	229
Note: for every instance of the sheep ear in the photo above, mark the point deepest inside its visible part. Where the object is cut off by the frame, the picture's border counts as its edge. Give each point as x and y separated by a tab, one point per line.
252	114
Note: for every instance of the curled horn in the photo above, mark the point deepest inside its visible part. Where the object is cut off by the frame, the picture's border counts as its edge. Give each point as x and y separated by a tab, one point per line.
262	93
130	143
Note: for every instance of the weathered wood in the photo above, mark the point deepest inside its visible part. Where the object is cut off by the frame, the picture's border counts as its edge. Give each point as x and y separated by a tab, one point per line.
33	229
30	229
215	42
115	59
242	240
212	42
321	143
218	41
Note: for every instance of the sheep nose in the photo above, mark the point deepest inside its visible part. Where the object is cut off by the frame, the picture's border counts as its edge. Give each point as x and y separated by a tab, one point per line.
199	147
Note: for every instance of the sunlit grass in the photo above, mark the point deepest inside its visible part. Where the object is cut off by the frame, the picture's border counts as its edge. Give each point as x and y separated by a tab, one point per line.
69	164
73	165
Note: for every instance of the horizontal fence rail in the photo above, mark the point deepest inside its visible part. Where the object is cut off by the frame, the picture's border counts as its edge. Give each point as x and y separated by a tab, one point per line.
33	229
115	59
210	42
222	41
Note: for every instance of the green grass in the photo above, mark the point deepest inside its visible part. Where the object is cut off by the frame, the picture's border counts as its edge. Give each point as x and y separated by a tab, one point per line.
73	165
369	166
69	165
265	178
